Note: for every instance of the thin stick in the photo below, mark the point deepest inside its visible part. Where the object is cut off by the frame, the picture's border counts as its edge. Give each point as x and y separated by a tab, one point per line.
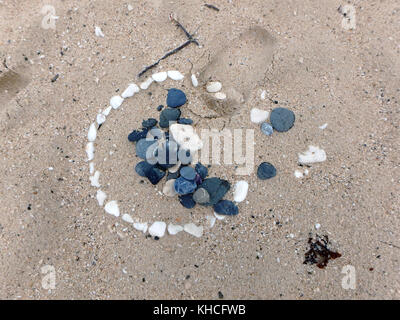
210	6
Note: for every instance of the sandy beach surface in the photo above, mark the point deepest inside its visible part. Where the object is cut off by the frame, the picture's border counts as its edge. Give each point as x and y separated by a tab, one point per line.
56	242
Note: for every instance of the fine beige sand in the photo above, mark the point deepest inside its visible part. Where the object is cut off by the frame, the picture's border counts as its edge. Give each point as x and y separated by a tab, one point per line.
49	216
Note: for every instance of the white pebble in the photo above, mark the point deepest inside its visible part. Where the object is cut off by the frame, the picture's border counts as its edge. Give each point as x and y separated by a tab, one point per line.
91	167
107	111
98	32
101	197
220	96
112	208
127	218
323	126
213	86
157	229
241	189
140	226
130	8
195	83
159	76
194	230
263	94
92	133
101	118
175	75
130	91
258	116
94	180
186	137
174	229
317	226
211	221
169	189
90	151
298	174
219	216
116	102
144	85
312	155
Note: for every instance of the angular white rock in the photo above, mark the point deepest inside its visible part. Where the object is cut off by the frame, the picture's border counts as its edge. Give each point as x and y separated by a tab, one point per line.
169	189
220	96
94	180
92	133
194	230
107	111
214	86
241	189
298	174
195	83
101	118
159	76
258	116
157	229
312	155
91	167
211	221
101	197
263	94
130	91
111	207
146	84
90	151
174	229
140	226
323	126
175	75
186	137
116	102
98	32
127	218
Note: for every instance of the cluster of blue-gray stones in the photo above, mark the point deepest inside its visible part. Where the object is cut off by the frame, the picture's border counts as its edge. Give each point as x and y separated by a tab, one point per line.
191	183
281	120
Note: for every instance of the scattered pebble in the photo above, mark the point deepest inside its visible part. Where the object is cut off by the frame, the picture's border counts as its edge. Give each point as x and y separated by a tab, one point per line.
187	201
169	115
194	230
312	155
98	32
267	129
175	98
143	145
101	197
317	226
100	119
241	189
92	133
174	229
137	135
111	207
201	196
157	229
211	221
155	175
107	111
140	226
226	207
169	189
263	95
220	96
146	84
282	119
90	151
186	137
175	75
201	170
160	76
183	186
130	91
185	121
91	168
149	123
94	180
213	86
116	102
258	115
195	83
216	188
323	126
142	167
266	171
127	218
188	173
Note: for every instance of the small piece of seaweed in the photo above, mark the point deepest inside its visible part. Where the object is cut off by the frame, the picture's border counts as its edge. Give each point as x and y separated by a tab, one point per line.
319	252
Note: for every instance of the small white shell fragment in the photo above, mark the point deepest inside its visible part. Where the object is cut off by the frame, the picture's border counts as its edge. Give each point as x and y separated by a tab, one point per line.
101	197
107	111
101	118
98	32
306	172
140	226
92	132
160	76
241	189
258	116
127	218
94	180
157	229
195	83
194	230
317	226
175	75
174	229
90	151
111	207
323	126
176	167
130	91
186	137
91	167
211	220
146	84
214	86
312	155
220	96
298	174
219	216
169	189
116	102
263	94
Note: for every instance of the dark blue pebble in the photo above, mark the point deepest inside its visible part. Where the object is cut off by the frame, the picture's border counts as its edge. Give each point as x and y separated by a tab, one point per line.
226	207
267	129
136	135
149	123
187	201
282	119
198	179
159	108
168	115
142	167
141	147
216	188
155	175
183	186
175	98
185	121
174	175
266	171
201	170
188	173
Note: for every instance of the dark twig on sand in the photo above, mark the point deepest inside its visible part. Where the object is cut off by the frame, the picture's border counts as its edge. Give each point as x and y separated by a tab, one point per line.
190	40
210	6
